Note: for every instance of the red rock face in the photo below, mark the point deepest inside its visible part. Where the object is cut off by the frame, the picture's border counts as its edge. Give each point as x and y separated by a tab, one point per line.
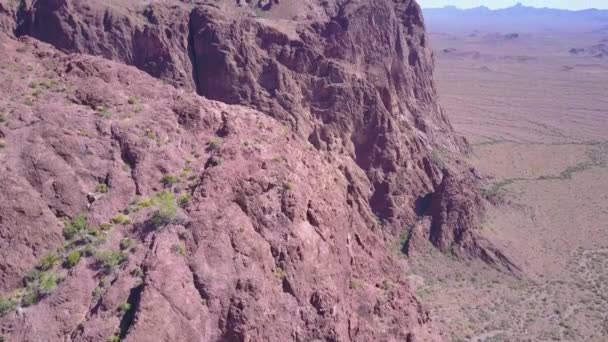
354	77
266	209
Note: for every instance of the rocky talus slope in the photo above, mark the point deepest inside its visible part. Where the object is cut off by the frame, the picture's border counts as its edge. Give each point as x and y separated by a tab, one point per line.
248	183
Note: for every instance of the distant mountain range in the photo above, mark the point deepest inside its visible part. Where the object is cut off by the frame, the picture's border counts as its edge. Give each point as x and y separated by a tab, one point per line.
518	17
517	10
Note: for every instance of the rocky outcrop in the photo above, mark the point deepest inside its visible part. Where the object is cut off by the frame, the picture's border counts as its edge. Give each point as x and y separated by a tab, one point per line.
204	221
135	210
353	77
152	36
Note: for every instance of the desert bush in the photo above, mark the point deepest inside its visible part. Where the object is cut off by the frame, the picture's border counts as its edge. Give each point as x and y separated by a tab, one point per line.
48	261
103	112
38	285
121	218
214	144
7	304
169	180
125	243
124	307
403	240
109	260
140	204
76	225
166	209
132	100
72	259
101	188
113	338
183	199
279	273
178	249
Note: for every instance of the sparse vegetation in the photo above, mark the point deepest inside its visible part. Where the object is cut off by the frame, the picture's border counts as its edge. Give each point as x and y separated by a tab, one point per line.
132	100
48	262
140	204
75	226
39	284
7	304
121	219
496	191
109	260
169	180
103	112
125	243
287	186
124	307
178	249
101	188
137	272
113	338
279	273
73	258
183	199
404	237
214	144
166	209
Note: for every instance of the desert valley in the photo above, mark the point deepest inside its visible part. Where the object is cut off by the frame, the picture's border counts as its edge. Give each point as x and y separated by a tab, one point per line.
529	91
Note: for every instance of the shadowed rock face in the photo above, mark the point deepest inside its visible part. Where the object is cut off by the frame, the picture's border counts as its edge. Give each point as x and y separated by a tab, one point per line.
269	215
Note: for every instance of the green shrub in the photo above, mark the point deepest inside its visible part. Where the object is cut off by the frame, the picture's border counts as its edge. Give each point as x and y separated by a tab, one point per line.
169	180
39	284
287	186
105	227
121	218
403	240
73	259
113	338
7	304
214	144
140	204
279	272
48	261
124	307
76	225
183	199
125	243
166	209
103	112
178	249
132	100
109	260
137	272
101	188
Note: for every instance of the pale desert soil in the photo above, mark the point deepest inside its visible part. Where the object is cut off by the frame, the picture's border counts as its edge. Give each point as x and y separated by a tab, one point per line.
539	130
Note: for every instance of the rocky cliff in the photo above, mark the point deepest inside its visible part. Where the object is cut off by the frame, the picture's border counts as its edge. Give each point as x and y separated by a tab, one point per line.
248	183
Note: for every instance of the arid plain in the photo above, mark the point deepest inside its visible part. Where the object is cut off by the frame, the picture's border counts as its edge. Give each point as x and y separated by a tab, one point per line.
536	114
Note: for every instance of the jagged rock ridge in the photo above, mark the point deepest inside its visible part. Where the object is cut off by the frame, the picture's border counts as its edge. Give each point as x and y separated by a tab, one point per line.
264	217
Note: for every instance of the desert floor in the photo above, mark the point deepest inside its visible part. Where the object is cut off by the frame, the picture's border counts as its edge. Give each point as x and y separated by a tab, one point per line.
537	118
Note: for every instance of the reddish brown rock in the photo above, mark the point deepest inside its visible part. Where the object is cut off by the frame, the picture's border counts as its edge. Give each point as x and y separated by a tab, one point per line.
275	243
269	215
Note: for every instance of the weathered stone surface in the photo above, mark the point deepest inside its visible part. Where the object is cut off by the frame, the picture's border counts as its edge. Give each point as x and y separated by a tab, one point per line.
276	242
266	209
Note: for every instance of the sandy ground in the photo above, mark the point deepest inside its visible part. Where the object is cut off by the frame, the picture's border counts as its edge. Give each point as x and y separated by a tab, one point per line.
537	118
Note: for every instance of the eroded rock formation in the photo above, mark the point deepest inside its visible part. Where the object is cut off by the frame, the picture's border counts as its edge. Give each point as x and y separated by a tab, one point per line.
266	209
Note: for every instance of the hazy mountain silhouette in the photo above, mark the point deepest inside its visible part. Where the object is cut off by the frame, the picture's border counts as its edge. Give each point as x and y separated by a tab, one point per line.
515	18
